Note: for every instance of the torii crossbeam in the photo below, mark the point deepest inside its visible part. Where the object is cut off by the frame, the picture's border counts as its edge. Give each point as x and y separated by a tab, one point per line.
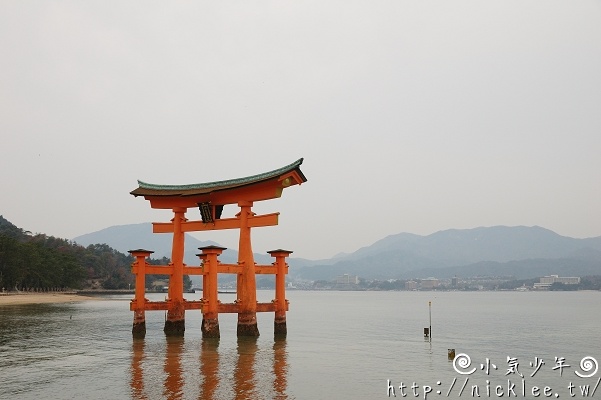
210	198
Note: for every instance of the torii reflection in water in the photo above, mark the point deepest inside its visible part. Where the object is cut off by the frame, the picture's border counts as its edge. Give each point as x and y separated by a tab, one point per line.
214	377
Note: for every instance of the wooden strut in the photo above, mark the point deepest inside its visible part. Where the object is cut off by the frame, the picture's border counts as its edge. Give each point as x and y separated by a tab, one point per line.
209	304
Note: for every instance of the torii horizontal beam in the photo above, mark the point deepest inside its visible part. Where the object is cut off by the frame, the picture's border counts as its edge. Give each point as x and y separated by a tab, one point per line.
199	270
226	223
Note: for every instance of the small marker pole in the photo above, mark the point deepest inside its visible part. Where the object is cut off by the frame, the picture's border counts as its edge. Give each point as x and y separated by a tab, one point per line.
430	309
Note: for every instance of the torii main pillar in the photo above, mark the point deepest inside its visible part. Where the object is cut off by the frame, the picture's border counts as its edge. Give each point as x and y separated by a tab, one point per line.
210	198
246	285
175	323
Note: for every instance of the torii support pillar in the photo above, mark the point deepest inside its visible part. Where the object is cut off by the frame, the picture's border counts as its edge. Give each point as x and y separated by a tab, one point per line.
281	304
139	302
210	307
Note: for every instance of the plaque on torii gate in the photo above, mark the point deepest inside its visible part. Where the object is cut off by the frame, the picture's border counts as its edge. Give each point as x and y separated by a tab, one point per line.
210	198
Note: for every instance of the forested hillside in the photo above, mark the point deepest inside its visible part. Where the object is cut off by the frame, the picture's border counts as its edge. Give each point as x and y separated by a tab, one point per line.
39	262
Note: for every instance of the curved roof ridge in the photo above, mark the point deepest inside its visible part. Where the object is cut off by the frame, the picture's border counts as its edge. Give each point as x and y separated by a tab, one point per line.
237	181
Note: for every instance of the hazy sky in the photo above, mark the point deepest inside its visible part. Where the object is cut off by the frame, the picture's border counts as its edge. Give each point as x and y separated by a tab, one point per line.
412	116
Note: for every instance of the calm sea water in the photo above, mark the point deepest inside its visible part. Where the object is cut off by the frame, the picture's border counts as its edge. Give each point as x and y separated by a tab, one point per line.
340	345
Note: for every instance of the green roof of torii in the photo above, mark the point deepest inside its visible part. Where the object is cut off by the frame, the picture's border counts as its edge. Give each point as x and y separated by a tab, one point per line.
150	189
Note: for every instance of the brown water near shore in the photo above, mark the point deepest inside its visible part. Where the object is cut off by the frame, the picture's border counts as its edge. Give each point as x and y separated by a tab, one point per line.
7	299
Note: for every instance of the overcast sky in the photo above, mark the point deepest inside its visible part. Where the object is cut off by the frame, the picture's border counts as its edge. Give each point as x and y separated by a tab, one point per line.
412	116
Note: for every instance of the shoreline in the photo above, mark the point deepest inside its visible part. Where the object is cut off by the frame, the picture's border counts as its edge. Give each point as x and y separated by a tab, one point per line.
9	299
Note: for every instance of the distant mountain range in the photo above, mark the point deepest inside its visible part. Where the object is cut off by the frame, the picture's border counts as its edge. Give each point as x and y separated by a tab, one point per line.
521	252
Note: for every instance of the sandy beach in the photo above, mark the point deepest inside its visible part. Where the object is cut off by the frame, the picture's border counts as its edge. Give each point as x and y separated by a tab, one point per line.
40	298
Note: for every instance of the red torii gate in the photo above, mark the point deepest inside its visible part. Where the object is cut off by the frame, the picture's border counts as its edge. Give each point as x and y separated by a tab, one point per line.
210	198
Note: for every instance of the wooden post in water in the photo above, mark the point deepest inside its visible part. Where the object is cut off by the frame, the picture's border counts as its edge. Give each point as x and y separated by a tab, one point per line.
430	331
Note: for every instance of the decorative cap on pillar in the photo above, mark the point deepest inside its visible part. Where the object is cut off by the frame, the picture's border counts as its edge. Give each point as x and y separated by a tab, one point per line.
140	252
280	252
211	249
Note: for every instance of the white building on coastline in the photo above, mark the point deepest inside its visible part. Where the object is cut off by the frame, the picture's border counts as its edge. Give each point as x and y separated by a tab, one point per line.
546	281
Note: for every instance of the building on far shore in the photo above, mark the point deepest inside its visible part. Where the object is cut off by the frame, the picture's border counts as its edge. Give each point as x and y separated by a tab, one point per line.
159	286
429	283
546	281
347	279
411	285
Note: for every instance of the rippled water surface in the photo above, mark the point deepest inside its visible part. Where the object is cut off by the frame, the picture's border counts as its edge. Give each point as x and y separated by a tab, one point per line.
339	345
